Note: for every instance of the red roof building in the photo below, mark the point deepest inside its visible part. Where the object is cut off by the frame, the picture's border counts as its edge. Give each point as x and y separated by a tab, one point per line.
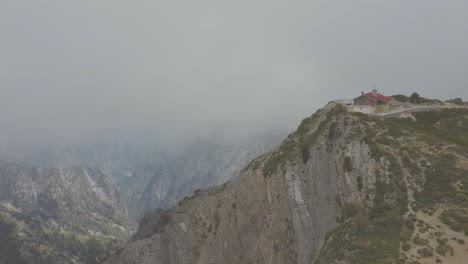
380	102
372	98
378	97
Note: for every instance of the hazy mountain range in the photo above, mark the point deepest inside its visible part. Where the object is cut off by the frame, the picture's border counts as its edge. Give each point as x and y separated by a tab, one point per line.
77	205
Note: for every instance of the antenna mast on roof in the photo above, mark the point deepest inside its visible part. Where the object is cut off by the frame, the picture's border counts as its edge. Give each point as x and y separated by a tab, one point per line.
374	91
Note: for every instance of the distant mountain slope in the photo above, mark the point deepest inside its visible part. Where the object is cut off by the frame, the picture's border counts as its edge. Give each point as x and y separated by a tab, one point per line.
150	178
202	165
58	215
344	188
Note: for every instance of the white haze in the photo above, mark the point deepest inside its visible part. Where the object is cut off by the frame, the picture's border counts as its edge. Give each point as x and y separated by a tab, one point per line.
74	72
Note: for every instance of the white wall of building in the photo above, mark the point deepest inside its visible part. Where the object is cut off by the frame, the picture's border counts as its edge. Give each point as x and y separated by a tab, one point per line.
365	109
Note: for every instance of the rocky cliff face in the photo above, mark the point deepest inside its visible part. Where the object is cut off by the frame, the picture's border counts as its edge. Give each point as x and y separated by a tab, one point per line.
342	189
50	192
59	215
197	167
278	211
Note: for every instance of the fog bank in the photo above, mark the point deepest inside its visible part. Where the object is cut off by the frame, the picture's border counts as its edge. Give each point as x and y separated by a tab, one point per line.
176	71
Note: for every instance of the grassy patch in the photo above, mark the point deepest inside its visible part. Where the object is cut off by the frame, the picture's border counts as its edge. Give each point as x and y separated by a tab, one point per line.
390	196
416	99
440	182
420	241
456	219
349	210
444	250
39	244
410	165
363	240
426	252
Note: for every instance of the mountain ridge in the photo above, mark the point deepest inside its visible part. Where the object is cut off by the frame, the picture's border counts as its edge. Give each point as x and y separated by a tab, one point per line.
310	200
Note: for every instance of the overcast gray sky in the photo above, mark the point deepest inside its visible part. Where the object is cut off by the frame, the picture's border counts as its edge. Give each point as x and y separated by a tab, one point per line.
73	71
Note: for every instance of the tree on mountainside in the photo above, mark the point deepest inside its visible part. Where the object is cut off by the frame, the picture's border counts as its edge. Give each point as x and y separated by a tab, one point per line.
457	101
9	246
415	98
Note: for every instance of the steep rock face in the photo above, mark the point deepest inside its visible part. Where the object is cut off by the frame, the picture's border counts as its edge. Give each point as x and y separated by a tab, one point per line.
59	215
55	193
278	211
200	166
343	189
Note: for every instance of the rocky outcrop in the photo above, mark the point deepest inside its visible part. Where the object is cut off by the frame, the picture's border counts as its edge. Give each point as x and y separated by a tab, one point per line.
278	211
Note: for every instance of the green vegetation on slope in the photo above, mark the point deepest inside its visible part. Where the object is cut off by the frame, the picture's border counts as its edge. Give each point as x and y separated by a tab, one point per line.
456	219
299	143
363	240
27	240
428	151
415	98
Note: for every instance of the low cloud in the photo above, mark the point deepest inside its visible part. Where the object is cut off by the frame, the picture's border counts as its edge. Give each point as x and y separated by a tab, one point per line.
175	71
